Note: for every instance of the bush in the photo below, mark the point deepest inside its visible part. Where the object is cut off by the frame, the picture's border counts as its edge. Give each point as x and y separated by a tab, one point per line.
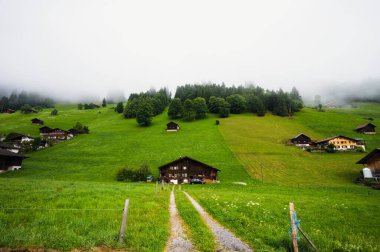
217	122
54	112
129	175
330	148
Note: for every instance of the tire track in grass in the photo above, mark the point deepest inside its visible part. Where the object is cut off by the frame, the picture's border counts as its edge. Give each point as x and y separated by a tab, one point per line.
225	239
178	240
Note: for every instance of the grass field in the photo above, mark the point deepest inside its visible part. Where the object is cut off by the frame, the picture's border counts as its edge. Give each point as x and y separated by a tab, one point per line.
80	175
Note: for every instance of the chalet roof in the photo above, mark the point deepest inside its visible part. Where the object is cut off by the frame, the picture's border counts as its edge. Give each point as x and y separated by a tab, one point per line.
14	135
299	136
365	125
7	146
172	123
45	129
5	153
340	136
187	158
365	159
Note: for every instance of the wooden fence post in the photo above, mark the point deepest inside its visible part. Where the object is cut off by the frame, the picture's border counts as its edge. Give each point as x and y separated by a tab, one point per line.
124	222
156	186
294	227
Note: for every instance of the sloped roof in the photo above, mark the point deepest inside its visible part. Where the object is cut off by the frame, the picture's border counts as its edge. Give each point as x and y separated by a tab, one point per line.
172	123
364	125
187	158
299	136
6	153
365	159
14	135
8	146
340	136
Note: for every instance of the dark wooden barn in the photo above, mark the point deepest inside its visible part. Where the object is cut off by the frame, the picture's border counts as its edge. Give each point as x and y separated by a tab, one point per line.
368	128
372	160
301	140
9	111
37	121
184	169
10	147
10	161
55	134
172	126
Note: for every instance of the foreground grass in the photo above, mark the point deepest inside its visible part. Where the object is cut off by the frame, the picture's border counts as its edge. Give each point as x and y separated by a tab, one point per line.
71	215
200	234
336	219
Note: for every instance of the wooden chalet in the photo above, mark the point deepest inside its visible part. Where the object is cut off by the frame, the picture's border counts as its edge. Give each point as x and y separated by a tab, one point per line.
10	147
10	161
37	121
368	128
301	140
54	134
18	138
172	126
341	143
372	160
9	111
184	169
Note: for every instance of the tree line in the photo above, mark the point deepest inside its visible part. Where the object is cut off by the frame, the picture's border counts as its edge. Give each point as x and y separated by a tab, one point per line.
16	101
193	101
145	105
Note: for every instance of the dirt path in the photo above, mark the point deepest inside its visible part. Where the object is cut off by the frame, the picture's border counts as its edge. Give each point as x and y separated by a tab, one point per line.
178	241
225	239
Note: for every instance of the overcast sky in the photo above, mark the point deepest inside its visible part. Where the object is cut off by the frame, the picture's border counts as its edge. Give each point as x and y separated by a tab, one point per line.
91	47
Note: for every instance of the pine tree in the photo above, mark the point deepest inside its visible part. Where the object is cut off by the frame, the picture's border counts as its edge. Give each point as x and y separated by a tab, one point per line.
175	109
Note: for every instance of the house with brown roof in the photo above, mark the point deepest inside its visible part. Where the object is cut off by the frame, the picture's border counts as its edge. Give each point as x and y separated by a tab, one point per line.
368	128
18	138
10	161
37	121
10	147
184	169
9	111
372	161
341	143
172	127
55	134
301	140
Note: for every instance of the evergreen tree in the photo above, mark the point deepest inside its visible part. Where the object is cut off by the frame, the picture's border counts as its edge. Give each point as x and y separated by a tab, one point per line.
80	106
224	110
144	113
175	109
188	110
119	107
237	103
200	107
54	112
214	103
131	108
104	103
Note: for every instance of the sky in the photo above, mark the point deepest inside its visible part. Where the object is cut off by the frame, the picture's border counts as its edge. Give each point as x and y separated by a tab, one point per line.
77	48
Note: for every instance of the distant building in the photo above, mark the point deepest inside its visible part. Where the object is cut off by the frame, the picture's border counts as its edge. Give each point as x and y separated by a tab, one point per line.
10	161
184	169
172	126
301	140
9	147
368	128
9	111
18	138
37	121
341	143
55	134
372	160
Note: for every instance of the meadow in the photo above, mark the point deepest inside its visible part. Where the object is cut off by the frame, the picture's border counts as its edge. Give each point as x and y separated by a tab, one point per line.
79	174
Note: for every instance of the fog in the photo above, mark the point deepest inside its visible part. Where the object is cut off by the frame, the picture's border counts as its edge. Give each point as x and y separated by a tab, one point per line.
77	49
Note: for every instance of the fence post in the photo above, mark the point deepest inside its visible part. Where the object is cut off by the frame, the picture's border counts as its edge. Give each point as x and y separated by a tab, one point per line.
124	222
294	227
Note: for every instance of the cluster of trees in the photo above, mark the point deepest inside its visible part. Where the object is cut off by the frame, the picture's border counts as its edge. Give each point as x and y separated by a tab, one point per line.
128	174
16	101
193	101
87	106
144	106
81	129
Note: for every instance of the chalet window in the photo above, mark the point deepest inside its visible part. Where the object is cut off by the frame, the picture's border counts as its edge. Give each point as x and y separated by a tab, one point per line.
184	168
175	168
171	167
184	175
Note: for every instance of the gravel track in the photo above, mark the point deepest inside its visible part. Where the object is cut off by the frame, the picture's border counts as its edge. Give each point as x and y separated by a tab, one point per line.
178	241
225	239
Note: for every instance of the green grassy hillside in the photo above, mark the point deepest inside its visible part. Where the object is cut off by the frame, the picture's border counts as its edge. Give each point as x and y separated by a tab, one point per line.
66	196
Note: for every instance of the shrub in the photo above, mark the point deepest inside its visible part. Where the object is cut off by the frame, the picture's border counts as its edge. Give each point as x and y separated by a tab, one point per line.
330	148
129	175
54	112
